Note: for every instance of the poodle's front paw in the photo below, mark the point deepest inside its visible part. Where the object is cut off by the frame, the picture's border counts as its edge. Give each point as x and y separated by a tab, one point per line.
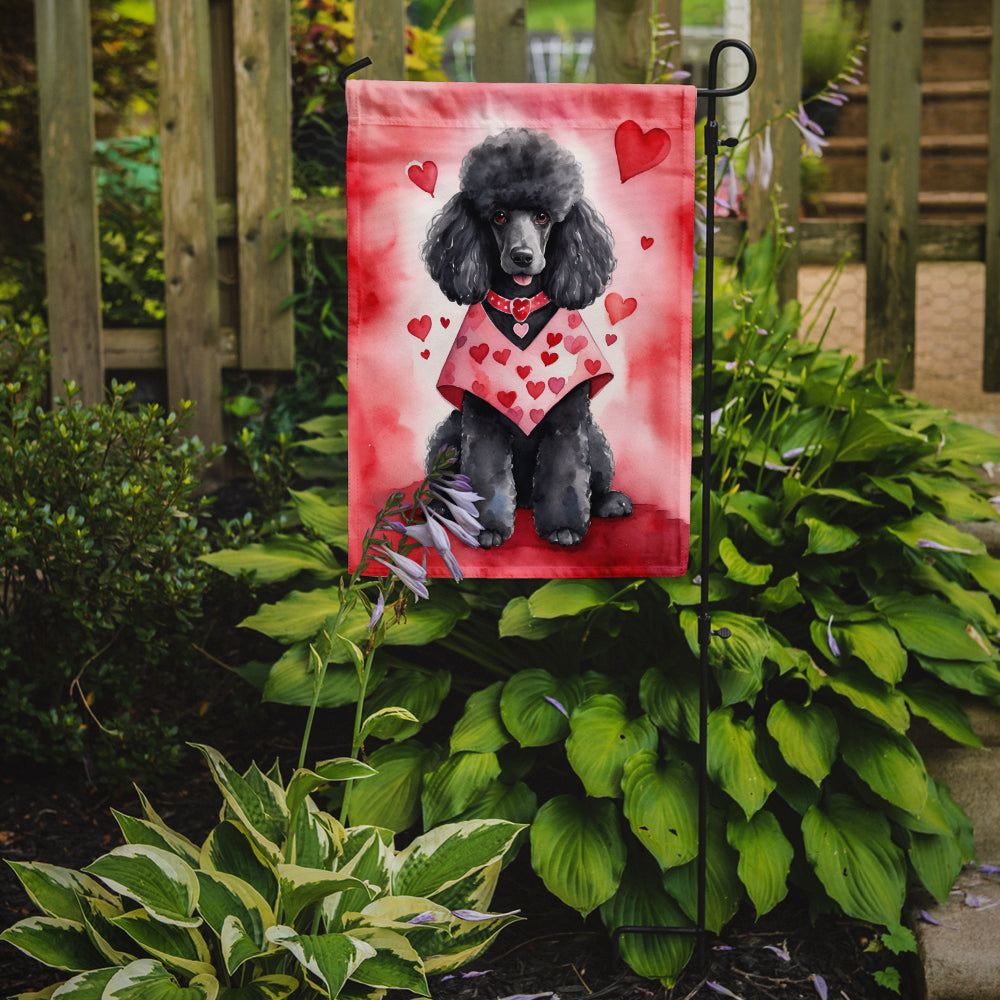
611	504
564	536
490	538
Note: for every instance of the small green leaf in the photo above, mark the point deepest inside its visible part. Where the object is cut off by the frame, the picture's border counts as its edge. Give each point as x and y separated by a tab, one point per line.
456	784
279	558
391	798
765	858
671	699
518	621
535	706
941	709
739	569
481	727
327	520
807	736
301	887
828	539
559	598
888	763
732	760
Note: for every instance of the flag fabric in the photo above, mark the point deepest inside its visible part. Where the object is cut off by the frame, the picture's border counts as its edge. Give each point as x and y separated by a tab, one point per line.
520	285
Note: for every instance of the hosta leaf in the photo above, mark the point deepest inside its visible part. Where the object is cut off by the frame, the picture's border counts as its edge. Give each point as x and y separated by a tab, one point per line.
783	595
661	798
888	763
738	661
986	571
517	620
301	887
758	511
415	689
516	803
391	798
976	605
330	959
957	501
54	941
850	848
870	435
807	736
441	857
159	881
230	849
641	901
274	987
366	855
481	728
292	681
466	941
827	539
578	851
965	443
866	692
389	723
225	897
732	760
529	706
937	860
147	979
671	699
280	557
304	782
395	964
765	858
602	738
141	831
723	889
559	598
931	628
976	678
324	519
98	916
928	528
180	948
941	709
876	646
739	569
56	891
87	986
456	784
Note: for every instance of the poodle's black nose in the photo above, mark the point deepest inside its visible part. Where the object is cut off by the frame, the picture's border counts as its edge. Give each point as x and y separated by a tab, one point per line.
522	256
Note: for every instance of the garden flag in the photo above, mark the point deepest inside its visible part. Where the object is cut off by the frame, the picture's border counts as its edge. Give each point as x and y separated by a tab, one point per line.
520	281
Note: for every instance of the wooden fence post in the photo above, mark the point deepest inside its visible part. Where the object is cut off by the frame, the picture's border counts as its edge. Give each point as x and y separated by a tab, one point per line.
262	61
190	251
892	215
991	333
776	35
501	41
621	40
380	34
72	255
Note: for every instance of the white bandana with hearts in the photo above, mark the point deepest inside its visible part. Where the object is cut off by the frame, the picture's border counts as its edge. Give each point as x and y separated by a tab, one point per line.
523	383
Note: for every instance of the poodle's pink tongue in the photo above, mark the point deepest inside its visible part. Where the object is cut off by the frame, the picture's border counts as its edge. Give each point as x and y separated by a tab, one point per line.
522	279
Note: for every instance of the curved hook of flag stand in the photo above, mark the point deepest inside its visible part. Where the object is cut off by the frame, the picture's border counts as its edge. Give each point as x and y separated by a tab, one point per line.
705	631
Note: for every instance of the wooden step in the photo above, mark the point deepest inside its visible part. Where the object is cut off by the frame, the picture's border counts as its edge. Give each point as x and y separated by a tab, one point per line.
945	12
958	206
956	53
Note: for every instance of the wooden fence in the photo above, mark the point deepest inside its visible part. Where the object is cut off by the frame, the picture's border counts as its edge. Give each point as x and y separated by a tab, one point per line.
226	160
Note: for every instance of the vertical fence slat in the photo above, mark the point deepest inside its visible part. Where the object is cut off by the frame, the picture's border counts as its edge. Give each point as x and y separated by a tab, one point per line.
190	253
669	11
72	257
776	35
501	41
261	57
380	34
892	214
621	40
991	333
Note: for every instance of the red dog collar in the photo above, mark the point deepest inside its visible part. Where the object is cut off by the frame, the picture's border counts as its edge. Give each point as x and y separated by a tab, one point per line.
520	309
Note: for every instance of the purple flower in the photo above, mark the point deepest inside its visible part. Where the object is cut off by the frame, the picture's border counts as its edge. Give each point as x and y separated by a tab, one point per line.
927	543
411	574
431	535
377	611
820	983
761	164
811	132
719	988
834	648
558	705
475	915
427	917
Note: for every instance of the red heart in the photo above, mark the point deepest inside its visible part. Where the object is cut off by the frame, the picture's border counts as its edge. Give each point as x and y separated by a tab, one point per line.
593	365
557	384
516	413
445	322
618	308
425	177
425	354
553	339
520	308
647	242
479	389
574	319
549	359
610	338
502	356
536	415
535	389
479	353
639	151
507	399
576	344
420	327
524	370
461	340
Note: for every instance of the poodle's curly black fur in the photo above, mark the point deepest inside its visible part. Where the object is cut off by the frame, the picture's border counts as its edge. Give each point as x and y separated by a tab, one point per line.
523	181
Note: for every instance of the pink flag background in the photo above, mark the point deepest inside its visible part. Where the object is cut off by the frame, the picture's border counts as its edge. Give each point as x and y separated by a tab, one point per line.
406	144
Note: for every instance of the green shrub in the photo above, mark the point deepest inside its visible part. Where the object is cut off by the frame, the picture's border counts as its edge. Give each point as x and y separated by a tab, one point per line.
99	541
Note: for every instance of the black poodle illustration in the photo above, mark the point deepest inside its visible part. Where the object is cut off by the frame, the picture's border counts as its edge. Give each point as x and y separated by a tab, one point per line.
525	250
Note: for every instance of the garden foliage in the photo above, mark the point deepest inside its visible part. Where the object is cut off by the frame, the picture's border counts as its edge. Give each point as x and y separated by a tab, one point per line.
99	546
280	899
854	604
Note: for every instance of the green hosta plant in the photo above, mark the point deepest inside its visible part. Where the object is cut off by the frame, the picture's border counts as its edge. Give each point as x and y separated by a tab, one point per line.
279	900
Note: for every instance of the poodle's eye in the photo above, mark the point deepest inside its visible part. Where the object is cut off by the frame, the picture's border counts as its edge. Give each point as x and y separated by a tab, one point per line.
500	217
542	218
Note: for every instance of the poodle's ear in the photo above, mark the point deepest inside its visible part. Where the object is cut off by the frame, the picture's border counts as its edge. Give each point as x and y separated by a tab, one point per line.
457	252
579	258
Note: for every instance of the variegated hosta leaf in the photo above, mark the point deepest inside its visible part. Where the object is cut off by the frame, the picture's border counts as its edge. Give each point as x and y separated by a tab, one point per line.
441	857
395	964
274	987
86	986
765	858
301	887
329	959
418	691
888	763
99	915
456	784
535	706
54	941
304	782
661	799
230	849
732	760
225	897
141	831
642	902
147	979
56	891
476	890
315	838
177	947
807	736
391	799
367	853
466	941
602	737
256	801
158	880
481	727
578	851
850	847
